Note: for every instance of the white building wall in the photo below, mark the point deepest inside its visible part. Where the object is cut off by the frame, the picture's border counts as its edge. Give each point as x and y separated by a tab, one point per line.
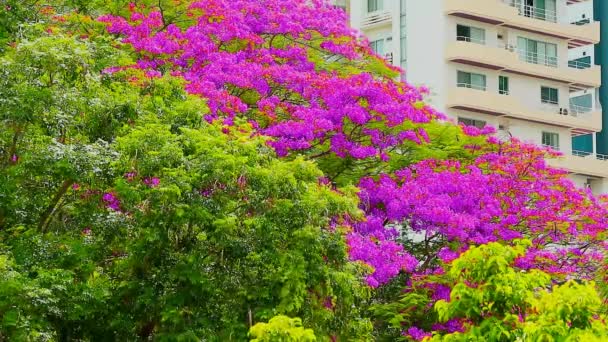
580	11
426	27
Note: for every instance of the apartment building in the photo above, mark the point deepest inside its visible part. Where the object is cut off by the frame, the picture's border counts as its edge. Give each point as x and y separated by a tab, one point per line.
526	67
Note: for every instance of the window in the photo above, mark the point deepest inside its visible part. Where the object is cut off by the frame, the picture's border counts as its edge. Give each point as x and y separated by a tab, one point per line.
378	46
472	122
551	140
503	85
471	80
549	95
470	34
537	52
374	5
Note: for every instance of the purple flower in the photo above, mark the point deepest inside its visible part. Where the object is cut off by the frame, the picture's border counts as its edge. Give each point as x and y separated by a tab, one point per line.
111	201
108	197
152	181
417	333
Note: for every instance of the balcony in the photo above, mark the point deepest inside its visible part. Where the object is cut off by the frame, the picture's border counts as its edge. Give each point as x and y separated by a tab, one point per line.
510	59
476	99
376	19
583	163
532	12
501	12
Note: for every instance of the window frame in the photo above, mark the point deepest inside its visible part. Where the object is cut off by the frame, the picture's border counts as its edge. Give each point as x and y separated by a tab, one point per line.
549	100
472	122
550	139
529	52
502	81
374	6
470	84
374	45
468	37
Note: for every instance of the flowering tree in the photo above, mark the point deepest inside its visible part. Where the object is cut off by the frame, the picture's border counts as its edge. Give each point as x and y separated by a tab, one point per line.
186	149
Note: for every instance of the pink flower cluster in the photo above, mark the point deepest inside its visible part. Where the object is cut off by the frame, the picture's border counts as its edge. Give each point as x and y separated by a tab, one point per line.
272	65
256	61
500	196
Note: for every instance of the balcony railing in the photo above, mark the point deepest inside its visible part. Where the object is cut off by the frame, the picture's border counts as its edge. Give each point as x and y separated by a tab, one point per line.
579	65
471	40
389	57
531	57
537	58
375	18
533	12
572	110
554	147
581	22
576	110
585	154
471	86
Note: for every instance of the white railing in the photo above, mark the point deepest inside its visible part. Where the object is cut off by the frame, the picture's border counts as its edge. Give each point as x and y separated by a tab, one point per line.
581	153
579	65
389	57
552	146
375	18
572	110
537	58
581	22
532	12
576	110
471	40
549	102
531	57
585	154
471	86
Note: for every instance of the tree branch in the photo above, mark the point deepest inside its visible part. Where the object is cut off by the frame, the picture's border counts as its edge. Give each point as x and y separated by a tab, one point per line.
50	210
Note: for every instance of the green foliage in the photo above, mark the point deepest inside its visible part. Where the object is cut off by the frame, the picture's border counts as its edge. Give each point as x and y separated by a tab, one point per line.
227	235
491	300
501	303
281	329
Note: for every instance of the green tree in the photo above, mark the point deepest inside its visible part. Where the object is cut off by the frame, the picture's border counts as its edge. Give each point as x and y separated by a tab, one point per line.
281	328
118	204
501	303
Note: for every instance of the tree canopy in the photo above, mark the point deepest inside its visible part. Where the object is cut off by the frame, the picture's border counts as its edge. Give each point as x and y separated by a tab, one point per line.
223	170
